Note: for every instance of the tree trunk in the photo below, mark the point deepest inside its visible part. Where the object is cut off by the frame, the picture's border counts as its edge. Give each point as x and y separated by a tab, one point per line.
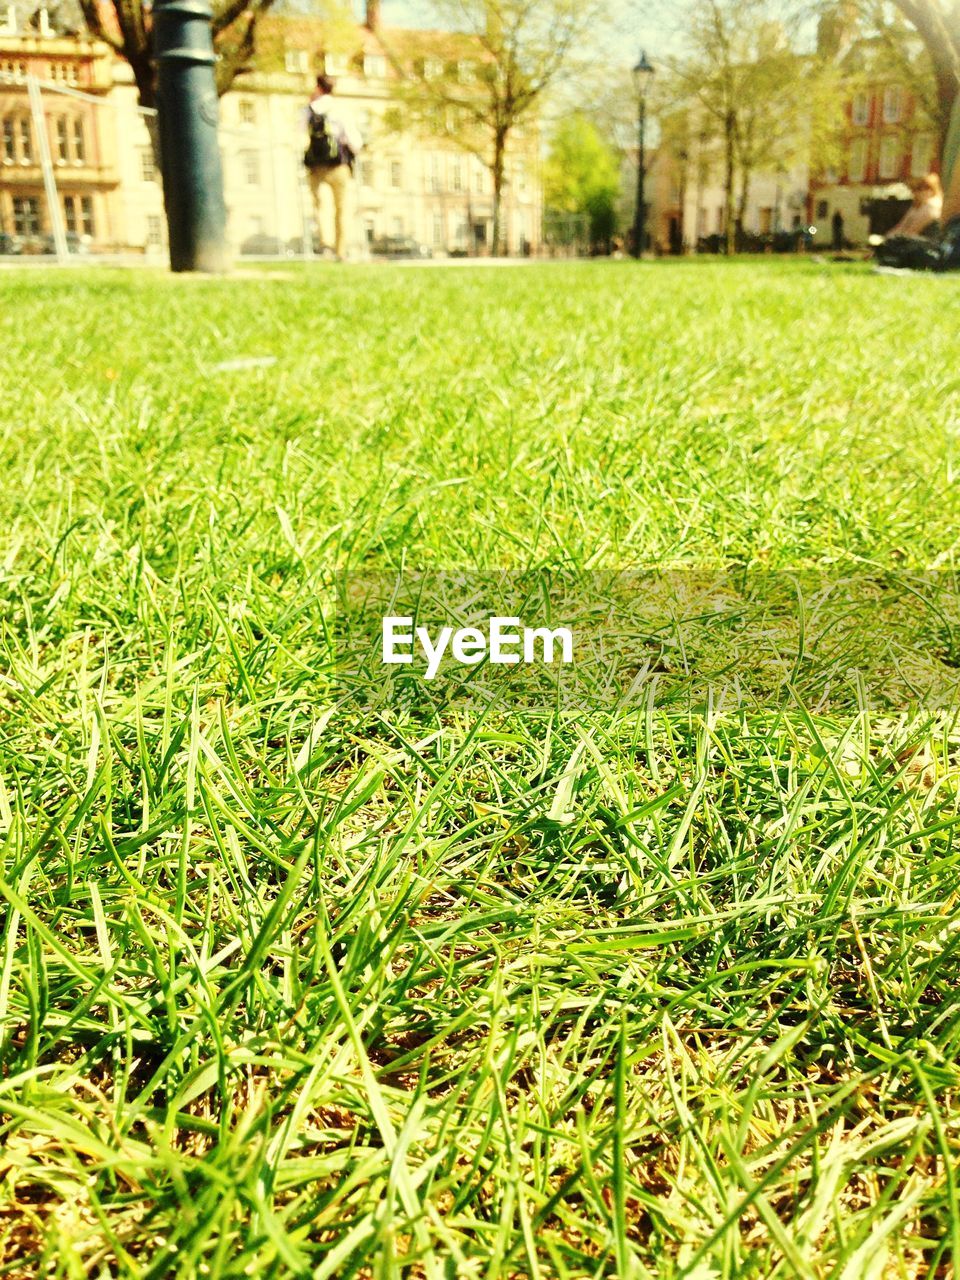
499	148
729	143
742	203
941	36
145	77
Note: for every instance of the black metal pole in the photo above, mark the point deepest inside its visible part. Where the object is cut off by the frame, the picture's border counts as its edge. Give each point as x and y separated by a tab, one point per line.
187	110
640	217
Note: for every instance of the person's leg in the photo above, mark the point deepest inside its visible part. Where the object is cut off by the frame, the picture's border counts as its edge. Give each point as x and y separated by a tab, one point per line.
339	182
315	177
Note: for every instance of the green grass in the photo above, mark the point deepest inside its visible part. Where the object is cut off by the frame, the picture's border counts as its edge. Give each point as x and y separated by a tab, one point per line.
289	989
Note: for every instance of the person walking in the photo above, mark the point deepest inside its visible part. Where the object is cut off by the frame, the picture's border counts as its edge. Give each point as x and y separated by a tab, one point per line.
839	243
332	147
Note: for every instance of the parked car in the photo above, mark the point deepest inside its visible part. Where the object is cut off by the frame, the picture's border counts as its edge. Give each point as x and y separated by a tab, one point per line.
264	246
75	244
399	247
319	249
10	244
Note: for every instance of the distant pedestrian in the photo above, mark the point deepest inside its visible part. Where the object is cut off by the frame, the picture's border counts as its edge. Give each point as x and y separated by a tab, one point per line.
332	147
839	243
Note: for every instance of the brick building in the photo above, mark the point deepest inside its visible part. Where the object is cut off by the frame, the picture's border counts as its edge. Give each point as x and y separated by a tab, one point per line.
889	142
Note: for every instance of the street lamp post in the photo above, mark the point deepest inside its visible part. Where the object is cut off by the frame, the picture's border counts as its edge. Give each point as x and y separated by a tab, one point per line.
642	74
187	120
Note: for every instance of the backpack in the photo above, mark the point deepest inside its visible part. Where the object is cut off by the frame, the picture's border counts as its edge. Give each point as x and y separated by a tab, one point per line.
325	149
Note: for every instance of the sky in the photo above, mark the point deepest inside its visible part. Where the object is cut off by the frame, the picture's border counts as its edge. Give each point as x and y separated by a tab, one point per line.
635	25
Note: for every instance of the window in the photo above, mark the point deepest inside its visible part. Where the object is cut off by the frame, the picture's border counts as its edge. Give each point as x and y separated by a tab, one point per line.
296	61
396	174
366	173
248	111
154	231
79	141
26	141
921	155
250	166
861	109
892	104
434	179
456	177
438	228
466	71
432	68
148	166
335	64
9	141
823	210
375	66
78	214
26	215
63	140
479	180
857	164
889	156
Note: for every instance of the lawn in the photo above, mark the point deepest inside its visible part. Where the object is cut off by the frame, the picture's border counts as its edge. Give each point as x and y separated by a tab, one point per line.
298	984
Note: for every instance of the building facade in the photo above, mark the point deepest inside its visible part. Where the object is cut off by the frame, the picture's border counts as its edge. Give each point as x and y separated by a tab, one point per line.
77	134
889	143
687	198
411	180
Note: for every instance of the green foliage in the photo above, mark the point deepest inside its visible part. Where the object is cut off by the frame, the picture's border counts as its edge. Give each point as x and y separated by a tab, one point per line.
582	175
751	98
517	51
291	989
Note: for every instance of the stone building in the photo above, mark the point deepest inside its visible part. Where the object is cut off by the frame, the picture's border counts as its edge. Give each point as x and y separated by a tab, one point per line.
79	134
415	178
687	199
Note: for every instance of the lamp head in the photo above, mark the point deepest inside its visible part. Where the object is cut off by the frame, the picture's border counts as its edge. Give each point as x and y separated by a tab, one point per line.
642	74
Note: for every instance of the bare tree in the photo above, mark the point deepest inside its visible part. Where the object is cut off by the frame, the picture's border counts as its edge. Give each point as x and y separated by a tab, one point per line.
501	58
740	80
126	26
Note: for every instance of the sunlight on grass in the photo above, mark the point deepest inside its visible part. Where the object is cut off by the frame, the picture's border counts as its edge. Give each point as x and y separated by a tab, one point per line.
287	988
